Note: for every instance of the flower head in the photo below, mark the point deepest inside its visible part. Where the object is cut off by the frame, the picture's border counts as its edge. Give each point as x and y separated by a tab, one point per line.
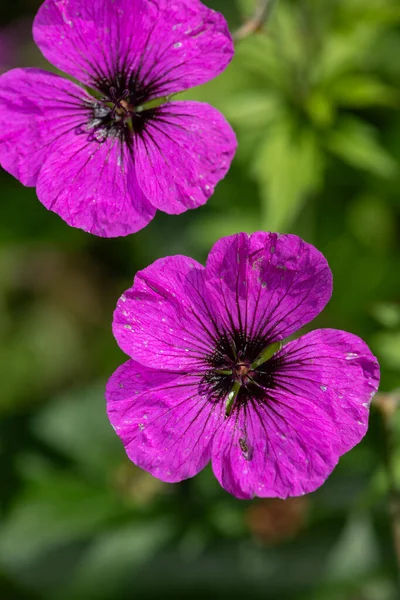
105	159
210	378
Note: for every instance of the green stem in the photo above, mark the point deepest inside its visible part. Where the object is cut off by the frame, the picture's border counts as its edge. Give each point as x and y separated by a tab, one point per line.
261	16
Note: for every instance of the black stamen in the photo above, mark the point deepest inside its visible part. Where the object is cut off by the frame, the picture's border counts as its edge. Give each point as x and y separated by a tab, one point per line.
115	115
230	368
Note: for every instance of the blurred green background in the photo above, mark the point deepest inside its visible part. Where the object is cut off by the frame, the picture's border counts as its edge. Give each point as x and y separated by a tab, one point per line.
315	103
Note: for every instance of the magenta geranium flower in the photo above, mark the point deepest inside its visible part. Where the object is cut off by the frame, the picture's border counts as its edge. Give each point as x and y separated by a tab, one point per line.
105	159
210	379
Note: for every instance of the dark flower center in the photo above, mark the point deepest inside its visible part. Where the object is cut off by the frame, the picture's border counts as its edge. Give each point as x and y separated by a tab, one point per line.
241	371
122	112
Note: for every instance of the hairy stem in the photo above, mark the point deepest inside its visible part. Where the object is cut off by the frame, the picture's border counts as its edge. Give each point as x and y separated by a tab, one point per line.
260	17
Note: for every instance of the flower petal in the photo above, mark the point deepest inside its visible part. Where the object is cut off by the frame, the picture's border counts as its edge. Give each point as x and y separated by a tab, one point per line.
37	109
287	447
167	46
185	150
335	370
92	185
164	320
270	285
164	423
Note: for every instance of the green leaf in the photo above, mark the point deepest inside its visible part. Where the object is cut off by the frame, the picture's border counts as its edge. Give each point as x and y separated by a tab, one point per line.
57	509
387	348
289	170
261	56
361	91
342	52
290	34
375	12
252	109
356	142
251	113
76	424
33	351
356	552
320	108
371	222
387	314
114	559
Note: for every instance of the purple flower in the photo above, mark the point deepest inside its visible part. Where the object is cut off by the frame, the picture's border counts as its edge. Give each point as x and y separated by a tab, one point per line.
106	159
209	378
